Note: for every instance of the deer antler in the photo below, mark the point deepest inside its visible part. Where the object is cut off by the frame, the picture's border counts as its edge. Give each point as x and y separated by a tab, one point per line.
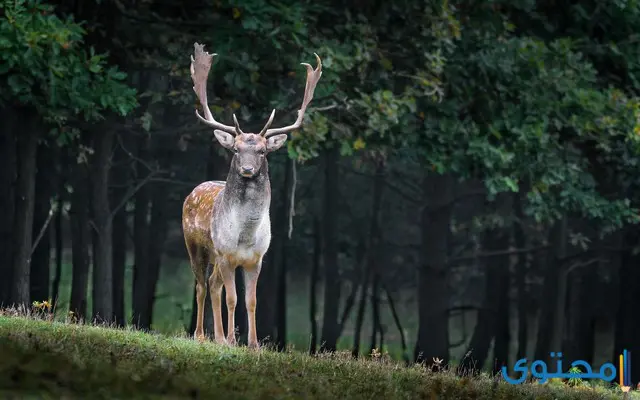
200	66
313	76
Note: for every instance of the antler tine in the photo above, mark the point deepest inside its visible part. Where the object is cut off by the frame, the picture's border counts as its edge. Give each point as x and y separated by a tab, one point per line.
238	131
313	76
200	67
268	124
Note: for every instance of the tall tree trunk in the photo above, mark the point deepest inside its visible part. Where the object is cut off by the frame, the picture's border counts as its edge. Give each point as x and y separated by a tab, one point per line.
548	337
330	323
158	238
313	284
283	217
120	180
23	220
59	244
433	277
103	225
581	343
375	313
141	236
490	324
502	331
627	329
370	256
41	259
8	177
521	279
362	304
80	241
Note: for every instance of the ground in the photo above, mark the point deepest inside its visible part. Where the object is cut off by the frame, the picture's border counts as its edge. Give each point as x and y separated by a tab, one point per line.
42	358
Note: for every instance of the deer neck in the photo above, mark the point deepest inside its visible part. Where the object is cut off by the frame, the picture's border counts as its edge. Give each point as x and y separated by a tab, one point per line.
248	198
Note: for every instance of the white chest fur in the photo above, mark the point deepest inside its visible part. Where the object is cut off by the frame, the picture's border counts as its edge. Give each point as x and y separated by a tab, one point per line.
242	231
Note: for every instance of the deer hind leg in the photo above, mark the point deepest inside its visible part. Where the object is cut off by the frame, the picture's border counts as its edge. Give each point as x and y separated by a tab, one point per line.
198	260
216	282
251	274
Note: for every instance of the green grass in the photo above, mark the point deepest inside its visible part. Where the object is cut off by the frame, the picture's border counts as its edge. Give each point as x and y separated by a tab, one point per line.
44	359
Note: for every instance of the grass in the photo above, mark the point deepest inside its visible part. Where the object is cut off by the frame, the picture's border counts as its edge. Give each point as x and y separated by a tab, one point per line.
172	313
51	359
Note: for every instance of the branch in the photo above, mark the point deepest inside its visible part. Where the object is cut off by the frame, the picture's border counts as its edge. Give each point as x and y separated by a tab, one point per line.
158	20
42	230
401	192
497	253
132	192
133	156
293	196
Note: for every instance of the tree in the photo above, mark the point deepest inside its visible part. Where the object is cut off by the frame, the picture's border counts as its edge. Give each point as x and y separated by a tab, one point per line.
51	80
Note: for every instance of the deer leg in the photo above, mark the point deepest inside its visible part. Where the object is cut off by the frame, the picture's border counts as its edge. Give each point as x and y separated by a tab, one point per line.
198	265
251	282
215	291
229	279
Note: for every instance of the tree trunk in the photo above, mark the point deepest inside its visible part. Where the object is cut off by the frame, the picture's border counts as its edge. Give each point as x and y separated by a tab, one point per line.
550	325
24	208
370	258
8	175
120	181
433	277
362	304
283	216
158	236
521	280
490	323
41	259
330	323
313	284
103	225
80	241
502	332
141	238
375	313
581	343
55	286
627	330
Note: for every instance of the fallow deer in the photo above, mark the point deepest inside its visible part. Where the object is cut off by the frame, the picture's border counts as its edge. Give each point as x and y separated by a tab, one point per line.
227	222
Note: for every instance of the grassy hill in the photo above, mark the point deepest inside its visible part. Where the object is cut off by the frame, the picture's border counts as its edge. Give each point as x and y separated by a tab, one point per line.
43	359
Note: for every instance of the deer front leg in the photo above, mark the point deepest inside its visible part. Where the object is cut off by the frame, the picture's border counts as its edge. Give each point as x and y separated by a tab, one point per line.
215	291
229	279
251	282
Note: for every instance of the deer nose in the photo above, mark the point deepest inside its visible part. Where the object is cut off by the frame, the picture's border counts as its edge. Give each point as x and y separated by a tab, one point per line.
247	170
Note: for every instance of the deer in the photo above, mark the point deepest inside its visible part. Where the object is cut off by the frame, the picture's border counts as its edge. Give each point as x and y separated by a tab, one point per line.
227	223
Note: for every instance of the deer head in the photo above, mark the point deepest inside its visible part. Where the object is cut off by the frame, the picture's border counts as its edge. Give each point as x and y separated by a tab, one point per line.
250	149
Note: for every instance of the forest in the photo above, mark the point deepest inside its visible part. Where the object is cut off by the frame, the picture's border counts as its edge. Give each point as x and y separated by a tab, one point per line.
464	188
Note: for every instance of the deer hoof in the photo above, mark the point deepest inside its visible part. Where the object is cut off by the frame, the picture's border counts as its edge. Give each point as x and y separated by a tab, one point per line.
200	337
221	341
254	346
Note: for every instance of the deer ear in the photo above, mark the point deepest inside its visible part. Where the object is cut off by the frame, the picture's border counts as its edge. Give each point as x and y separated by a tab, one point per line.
225	139
275	142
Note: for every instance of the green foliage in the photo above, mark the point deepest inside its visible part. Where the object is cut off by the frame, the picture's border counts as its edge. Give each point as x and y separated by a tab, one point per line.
44	64
77	360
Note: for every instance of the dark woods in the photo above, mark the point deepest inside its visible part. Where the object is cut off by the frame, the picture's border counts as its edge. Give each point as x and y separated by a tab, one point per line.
467	194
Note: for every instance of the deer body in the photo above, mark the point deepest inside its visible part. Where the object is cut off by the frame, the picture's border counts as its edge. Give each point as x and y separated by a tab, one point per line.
227	223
